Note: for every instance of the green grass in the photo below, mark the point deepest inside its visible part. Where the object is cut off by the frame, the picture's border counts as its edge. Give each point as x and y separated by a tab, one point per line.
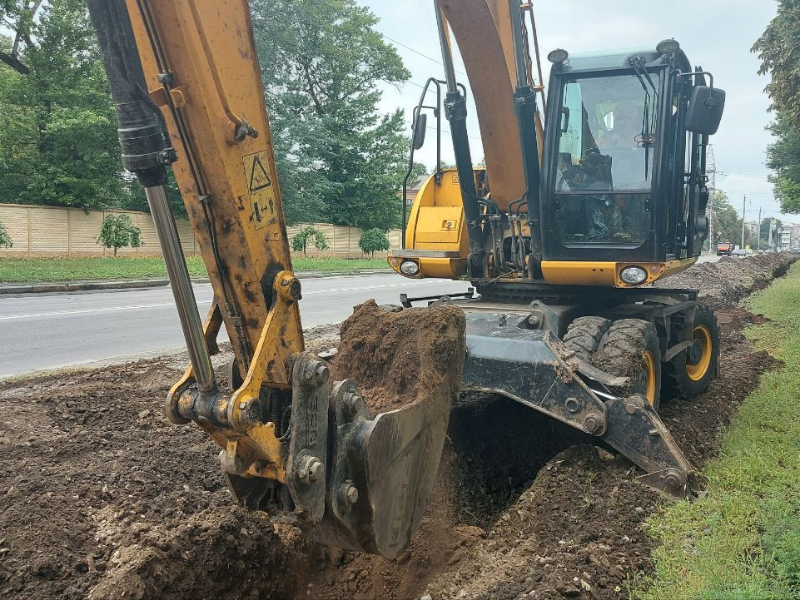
743	539
33	270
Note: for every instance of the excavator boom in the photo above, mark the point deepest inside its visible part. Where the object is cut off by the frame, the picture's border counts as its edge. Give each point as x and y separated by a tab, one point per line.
185	80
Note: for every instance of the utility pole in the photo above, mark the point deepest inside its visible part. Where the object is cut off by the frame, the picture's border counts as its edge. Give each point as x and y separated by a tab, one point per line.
758	237
771	225
711	223
744	208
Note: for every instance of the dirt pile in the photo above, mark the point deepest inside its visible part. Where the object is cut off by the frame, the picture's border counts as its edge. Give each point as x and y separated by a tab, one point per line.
723	283
397	357
102	497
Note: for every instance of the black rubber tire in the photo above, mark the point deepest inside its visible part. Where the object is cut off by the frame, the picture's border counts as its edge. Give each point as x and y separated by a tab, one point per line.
621	352
584	334
676	382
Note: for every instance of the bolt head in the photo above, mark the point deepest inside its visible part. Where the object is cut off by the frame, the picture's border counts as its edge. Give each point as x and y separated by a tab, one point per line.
593	423
533	321
314	470
572	405
631	408
322	374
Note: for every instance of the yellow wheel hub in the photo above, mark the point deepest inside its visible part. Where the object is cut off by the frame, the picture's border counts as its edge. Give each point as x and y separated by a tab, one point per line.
696	372
649	366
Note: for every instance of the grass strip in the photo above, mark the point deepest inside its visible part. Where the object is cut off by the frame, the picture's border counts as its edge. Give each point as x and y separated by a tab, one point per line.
38	270
743	539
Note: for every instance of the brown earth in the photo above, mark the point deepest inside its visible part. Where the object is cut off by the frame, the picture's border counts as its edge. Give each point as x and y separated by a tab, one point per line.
101	497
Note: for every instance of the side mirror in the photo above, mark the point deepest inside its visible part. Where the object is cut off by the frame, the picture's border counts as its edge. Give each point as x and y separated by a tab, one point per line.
564	119
420	127
705	110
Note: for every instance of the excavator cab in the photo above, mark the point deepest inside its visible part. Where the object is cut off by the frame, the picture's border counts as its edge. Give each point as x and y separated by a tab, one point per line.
623	170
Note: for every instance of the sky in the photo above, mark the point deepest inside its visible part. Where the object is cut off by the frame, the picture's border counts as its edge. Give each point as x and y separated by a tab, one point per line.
715	34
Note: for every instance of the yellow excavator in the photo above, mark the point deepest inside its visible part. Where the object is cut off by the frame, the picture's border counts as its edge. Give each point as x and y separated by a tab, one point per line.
558	234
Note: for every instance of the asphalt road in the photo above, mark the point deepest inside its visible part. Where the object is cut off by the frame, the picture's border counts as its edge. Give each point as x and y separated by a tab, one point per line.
48	331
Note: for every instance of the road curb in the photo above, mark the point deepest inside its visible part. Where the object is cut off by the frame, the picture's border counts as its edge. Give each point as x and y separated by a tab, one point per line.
82	286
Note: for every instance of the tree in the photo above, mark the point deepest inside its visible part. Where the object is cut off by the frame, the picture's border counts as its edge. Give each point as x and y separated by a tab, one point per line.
779	51
372	241
783	157
727	223
309	234
339	158
118	231
5	239
58	142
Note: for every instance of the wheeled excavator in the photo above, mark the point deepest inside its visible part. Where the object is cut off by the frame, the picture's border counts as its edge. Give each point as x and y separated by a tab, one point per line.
558	235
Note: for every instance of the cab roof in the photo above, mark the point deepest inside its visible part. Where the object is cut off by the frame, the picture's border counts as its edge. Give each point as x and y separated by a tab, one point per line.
618	59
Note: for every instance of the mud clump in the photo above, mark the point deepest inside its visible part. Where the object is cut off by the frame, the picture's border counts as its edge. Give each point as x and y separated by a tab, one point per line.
397	357
723	283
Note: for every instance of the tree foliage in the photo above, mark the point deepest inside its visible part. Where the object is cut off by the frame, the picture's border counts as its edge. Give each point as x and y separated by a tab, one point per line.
783	157
58	141
5	238
118	231
308	235
779	51
727	222
340	159
372	241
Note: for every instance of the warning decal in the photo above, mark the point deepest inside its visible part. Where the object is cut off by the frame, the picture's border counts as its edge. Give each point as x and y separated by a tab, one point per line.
259	186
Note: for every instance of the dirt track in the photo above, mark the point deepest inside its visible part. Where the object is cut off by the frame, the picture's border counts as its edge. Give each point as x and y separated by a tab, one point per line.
100	497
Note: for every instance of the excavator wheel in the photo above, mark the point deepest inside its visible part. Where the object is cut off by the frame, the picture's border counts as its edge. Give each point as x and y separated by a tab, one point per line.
690	373
584	335
630	348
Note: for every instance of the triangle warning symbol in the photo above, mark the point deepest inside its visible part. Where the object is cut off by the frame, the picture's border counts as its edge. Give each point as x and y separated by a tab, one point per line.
259	178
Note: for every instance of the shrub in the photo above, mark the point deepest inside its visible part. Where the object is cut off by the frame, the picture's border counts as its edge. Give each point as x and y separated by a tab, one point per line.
372	241
5	239
308	235
118	231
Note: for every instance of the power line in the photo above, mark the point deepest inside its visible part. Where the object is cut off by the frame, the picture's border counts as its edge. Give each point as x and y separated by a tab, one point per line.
415	51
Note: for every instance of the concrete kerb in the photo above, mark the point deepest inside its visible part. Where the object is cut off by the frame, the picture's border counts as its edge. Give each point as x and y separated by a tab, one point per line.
82	286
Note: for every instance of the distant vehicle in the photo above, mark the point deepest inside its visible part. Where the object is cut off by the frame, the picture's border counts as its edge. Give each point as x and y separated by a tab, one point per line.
725	248
739	252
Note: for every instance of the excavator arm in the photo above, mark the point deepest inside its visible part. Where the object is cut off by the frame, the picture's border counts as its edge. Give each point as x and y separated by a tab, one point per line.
186	85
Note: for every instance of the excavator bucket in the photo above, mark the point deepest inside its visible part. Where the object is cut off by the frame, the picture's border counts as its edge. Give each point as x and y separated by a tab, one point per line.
365	450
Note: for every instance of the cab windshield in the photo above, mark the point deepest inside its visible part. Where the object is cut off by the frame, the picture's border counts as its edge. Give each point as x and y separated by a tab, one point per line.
605	167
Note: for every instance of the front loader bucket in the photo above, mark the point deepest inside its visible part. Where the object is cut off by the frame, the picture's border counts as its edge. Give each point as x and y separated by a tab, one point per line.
505	356
361	481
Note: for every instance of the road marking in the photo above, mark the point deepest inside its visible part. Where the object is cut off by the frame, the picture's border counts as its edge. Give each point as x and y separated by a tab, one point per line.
92	310
107	309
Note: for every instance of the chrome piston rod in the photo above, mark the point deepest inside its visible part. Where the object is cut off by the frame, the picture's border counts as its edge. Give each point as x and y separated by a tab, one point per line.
181	288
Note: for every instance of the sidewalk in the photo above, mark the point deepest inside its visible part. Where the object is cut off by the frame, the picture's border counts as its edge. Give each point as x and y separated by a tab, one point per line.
82	286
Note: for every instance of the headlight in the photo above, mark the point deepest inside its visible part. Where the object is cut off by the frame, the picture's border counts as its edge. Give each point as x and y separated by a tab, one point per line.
409	267
633	275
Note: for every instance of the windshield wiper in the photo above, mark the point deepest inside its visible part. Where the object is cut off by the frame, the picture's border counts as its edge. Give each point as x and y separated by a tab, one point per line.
648	124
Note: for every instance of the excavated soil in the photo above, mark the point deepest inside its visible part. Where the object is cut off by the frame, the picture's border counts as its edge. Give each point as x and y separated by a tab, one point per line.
101	497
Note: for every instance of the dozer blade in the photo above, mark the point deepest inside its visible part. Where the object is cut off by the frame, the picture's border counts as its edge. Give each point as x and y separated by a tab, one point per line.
505	356
361	481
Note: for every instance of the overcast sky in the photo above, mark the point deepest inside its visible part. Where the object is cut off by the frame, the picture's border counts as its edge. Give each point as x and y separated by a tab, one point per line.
715	34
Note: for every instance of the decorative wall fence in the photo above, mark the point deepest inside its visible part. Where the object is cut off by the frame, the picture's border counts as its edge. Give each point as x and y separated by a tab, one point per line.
55	232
